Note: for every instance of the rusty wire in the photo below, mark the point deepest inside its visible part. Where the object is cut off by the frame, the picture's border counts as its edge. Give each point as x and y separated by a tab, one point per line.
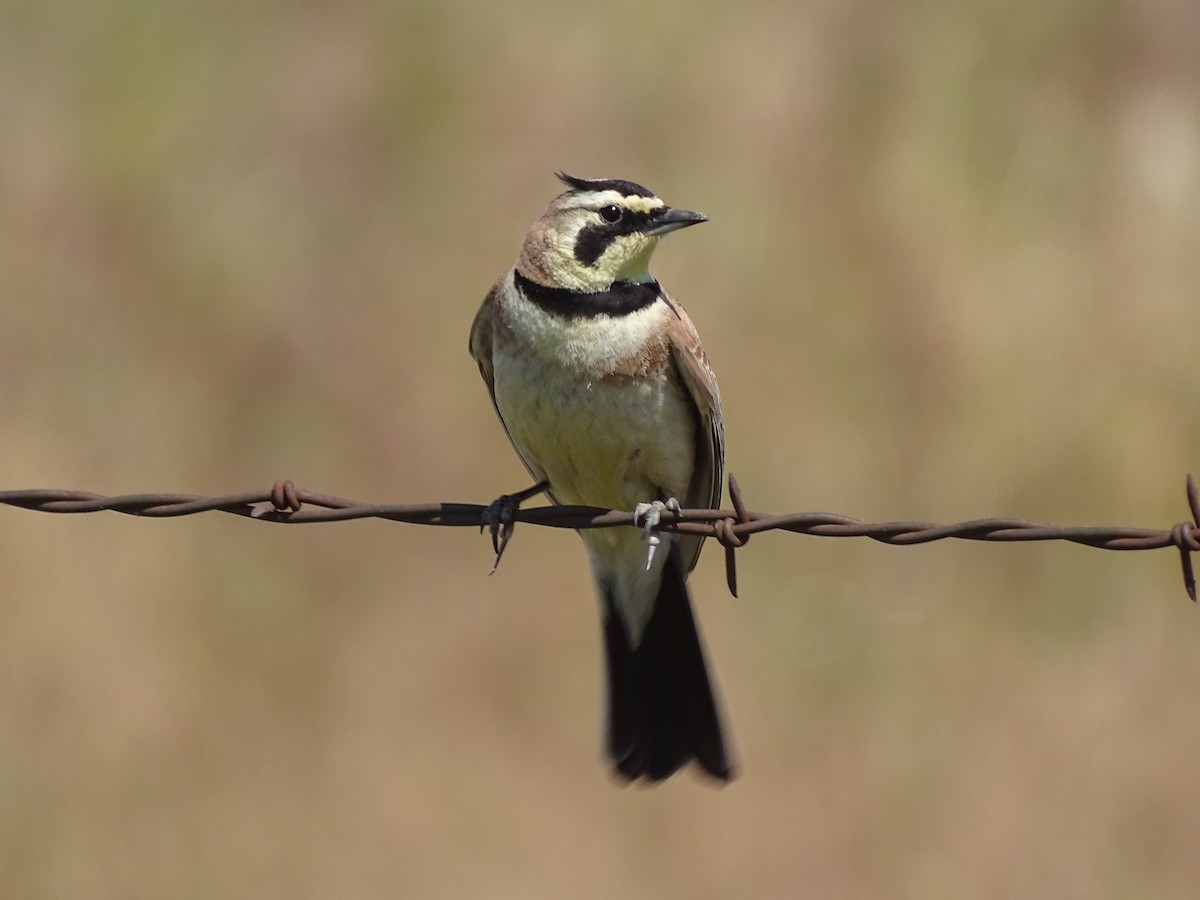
284	503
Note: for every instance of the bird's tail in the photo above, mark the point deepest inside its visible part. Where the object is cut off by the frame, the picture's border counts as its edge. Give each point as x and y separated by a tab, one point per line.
661	710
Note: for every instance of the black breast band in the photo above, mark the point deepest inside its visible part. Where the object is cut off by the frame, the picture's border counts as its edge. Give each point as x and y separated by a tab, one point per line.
621	299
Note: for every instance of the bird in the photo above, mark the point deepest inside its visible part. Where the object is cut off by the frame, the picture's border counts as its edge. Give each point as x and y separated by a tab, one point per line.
599	379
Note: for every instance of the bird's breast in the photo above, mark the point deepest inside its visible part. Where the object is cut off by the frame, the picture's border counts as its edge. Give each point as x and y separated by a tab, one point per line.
596	405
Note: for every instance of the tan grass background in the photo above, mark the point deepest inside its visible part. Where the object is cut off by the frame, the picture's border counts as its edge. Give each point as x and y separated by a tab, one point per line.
951	271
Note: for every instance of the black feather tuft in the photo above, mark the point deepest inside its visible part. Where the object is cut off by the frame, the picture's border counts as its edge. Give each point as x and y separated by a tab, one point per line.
624	188
661	710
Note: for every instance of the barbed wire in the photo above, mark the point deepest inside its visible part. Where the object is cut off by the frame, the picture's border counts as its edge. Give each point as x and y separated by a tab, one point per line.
283	503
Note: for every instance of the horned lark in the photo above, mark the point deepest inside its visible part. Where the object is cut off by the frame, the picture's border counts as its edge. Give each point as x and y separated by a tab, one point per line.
599	379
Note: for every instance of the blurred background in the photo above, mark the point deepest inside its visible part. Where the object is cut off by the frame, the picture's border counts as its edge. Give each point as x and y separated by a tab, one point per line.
951	273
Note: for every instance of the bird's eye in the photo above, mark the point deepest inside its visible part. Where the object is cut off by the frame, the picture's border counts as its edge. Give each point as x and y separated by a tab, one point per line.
610	213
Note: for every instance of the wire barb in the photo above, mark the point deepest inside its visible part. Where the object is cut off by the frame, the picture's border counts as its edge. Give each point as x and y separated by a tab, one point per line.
285	504
1183	536
284	497
727	535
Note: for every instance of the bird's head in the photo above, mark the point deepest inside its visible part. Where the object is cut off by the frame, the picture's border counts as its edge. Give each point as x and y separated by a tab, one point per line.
598	232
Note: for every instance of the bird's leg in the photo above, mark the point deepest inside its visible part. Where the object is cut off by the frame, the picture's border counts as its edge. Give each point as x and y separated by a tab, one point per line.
652	514
499	518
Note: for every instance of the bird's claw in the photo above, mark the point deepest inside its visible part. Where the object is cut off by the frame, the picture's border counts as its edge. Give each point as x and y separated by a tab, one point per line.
499	520
651	514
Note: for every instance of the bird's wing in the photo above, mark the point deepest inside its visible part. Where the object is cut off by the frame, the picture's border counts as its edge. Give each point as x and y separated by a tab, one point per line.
481	340
697	376
482	335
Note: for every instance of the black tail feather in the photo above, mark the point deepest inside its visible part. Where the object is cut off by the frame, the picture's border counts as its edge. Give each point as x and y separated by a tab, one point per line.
661	710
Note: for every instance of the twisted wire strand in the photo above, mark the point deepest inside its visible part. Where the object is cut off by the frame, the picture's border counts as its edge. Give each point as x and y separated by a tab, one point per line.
283	503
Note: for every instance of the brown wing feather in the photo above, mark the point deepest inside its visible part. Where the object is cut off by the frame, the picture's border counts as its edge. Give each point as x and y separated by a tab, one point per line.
480	345
692	365
481	340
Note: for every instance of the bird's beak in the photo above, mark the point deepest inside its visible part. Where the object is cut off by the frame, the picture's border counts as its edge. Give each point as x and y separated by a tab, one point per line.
673	220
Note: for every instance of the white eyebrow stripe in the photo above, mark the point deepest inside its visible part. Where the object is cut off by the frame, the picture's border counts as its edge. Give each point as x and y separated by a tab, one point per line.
643	204
583	199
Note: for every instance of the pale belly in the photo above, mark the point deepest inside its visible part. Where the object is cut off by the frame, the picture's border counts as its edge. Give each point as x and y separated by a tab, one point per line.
611	443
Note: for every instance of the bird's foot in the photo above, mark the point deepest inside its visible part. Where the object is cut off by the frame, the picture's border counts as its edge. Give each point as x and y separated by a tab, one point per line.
651	514
499	518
